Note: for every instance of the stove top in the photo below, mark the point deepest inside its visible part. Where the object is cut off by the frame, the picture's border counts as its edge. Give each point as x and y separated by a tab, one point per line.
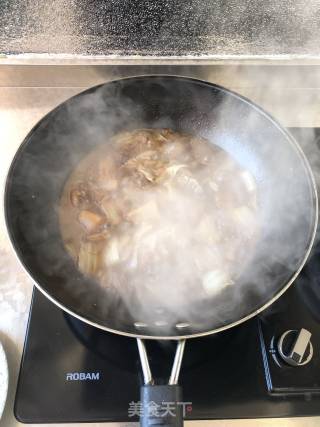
266	367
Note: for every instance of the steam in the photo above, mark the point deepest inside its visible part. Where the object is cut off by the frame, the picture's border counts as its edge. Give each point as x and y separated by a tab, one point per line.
285	203
179	255
168	294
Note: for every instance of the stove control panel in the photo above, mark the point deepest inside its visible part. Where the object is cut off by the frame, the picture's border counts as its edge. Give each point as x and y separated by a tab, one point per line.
295	347
290	337
290	356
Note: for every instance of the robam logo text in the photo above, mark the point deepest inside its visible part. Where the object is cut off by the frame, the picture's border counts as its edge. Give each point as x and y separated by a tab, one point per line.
83	376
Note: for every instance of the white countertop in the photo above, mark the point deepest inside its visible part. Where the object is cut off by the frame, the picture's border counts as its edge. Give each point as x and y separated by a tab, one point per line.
21	106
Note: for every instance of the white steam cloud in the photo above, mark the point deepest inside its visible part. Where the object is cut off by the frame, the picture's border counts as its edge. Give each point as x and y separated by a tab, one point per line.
286	207
286	215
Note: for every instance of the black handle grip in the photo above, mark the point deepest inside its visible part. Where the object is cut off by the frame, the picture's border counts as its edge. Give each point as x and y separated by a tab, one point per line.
162	406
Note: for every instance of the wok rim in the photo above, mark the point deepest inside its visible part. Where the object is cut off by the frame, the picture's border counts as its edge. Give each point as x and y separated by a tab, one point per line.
286	134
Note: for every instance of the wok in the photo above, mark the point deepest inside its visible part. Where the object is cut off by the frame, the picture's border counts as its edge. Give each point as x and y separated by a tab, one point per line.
287	200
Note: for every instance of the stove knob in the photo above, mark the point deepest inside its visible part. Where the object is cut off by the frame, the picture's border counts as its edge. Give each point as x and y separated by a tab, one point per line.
295	347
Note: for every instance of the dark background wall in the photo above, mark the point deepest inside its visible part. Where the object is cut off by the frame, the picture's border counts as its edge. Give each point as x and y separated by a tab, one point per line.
160	27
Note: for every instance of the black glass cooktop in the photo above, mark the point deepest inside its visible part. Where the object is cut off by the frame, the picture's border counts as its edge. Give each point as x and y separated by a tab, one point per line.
72	372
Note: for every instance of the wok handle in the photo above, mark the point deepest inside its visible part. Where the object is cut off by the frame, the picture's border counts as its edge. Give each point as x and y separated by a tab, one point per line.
163	406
